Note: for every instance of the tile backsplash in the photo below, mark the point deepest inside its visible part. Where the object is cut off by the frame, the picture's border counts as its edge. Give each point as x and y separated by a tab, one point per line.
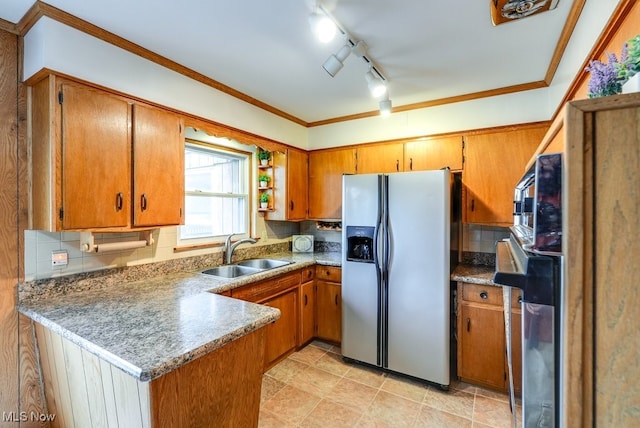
39	246
482	239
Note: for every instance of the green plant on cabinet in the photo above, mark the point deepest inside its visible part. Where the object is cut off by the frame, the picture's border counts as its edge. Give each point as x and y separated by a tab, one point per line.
264	156
264	200
264	180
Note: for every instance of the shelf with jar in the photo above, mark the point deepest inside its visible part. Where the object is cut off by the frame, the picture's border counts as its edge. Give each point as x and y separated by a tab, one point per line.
265	181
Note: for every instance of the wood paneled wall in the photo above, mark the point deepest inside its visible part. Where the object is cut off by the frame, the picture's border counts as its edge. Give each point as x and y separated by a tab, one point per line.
19	376
85	391
9	268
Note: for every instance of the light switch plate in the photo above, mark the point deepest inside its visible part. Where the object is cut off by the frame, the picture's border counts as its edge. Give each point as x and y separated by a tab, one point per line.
59	258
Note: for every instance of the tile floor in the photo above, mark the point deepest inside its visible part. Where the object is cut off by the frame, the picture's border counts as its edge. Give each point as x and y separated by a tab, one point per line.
316	388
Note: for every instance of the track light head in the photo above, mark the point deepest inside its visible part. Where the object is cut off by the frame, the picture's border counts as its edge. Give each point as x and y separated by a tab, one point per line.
322	26
385	106
335	62
376	86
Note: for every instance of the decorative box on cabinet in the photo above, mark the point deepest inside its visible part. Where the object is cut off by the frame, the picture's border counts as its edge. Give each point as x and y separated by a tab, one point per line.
101	161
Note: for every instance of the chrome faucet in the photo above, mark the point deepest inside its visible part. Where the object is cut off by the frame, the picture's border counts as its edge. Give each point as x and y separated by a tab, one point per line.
229	248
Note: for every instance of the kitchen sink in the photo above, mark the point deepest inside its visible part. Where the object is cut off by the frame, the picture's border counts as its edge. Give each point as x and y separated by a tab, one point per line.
245	267
263	263
231	271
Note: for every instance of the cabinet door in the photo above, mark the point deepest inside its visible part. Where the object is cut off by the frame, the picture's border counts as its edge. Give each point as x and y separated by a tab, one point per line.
493	165
481	345
297	184
380	158
96	159
282	333
307	312
158	167
326	169
329	311
434	153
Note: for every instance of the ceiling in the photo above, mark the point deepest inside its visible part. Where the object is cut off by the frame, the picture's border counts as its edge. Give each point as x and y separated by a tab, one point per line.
428	50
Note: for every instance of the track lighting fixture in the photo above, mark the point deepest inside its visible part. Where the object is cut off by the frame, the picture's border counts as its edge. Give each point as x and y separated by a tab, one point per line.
335	62
376	86
322	25
322	19
385	106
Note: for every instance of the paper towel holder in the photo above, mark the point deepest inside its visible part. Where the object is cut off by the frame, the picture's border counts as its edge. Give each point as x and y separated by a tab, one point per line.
88	245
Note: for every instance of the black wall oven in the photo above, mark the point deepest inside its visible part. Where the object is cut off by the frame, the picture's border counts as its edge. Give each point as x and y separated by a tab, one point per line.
531	259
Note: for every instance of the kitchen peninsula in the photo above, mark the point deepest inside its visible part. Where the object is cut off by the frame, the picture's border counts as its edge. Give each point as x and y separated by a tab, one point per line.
160	351
157	352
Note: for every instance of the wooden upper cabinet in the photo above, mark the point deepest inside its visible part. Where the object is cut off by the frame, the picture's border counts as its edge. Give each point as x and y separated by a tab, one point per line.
87	163
378	159
290	185
494	162
81	157
158	167
326	168
433	153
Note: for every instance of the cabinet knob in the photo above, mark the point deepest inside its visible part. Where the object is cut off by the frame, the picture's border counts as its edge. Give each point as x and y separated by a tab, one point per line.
411	164
291	205
473	205
484	295
143	202
397	165
305	300
519	300
468	324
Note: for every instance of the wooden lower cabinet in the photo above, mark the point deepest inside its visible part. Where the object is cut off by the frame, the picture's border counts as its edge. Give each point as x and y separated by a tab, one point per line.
280	292
482	358
282	334
310	304
307	312
329	303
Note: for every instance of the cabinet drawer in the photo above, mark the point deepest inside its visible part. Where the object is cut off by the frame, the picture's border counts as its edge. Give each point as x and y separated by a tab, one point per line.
329	273
266	289
488	294
308	273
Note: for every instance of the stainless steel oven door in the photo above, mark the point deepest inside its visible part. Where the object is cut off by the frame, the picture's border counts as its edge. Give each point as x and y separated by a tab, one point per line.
538	366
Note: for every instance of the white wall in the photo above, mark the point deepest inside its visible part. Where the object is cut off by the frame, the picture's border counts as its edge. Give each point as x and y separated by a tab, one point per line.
58	47
50	44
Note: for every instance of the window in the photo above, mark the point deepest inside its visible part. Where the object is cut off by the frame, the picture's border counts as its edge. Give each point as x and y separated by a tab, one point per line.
216	194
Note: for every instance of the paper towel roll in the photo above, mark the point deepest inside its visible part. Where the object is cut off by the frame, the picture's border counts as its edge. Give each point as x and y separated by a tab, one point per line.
115	246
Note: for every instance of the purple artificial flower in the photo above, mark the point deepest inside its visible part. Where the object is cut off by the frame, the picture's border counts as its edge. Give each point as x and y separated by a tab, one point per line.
604	77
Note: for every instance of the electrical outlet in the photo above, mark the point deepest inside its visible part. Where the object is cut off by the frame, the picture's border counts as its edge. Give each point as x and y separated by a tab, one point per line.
59	258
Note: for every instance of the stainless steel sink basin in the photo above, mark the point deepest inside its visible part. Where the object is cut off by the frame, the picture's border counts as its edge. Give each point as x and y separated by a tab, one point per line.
263	263
231	271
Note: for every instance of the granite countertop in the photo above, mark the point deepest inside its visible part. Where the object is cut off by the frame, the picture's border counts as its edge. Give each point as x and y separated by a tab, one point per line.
474	274
149	327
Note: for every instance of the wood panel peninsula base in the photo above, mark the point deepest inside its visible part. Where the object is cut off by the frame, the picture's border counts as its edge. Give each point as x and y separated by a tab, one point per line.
219	389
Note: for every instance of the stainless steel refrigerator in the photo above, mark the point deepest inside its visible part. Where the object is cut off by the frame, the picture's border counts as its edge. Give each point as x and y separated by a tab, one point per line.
395	272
